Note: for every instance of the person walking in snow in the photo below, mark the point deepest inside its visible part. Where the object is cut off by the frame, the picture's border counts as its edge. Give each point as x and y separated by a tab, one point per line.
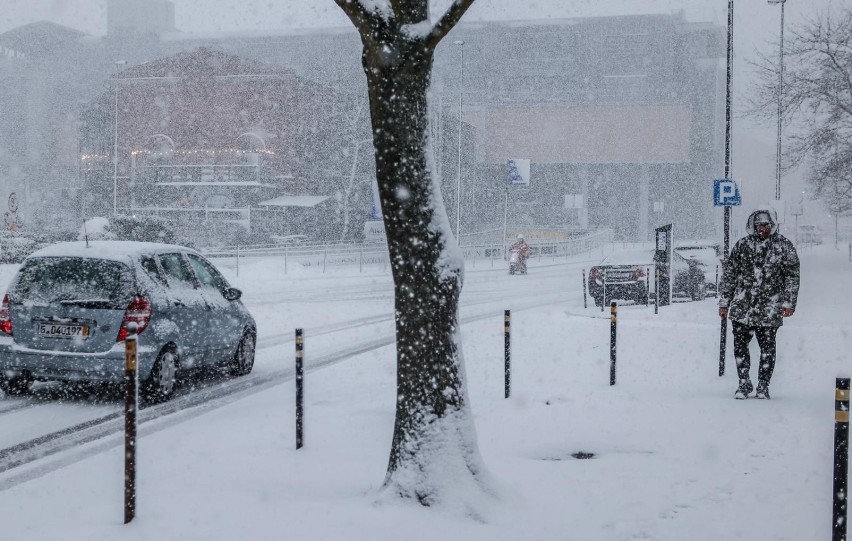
760	286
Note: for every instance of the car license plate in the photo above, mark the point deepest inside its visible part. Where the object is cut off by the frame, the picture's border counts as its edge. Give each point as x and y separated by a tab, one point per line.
50	330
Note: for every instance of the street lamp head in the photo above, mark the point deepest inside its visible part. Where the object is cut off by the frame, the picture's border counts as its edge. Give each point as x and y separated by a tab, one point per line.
459	42
775	2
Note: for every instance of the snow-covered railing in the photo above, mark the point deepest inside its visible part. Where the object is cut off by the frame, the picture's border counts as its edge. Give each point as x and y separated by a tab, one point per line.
376	254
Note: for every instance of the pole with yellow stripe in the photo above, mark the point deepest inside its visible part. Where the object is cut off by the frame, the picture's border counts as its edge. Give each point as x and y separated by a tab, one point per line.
613	322
131	406
300	390
841	459
507	351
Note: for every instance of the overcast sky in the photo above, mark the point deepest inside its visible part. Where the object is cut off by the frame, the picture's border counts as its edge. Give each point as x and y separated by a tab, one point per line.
753	17
756	27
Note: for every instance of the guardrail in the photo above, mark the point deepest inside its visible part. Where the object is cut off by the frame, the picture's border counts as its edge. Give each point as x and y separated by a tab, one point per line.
376	254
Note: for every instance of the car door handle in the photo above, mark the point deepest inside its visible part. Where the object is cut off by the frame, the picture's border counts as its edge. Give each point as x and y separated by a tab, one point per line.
179	304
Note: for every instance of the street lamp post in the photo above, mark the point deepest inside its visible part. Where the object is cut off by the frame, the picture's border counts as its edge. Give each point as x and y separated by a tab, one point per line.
115	145
723	336
115	157
780	102
460	43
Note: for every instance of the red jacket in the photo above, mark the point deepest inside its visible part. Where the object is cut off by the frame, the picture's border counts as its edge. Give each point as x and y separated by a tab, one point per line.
523	249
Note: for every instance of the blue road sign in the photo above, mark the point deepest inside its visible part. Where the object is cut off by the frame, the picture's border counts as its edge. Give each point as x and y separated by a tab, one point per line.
726	193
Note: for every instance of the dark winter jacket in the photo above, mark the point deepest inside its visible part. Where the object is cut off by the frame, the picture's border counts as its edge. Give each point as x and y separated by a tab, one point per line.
760	277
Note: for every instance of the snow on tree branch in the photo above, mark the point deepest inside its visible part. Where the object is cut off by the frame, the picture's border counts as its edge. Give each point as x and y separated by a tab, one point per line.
446	23
363	12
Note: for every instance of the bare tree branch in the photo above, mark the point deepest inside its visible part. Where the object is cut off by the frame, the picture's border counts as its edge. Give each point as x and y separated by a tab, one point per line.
446	23
816	103
357	13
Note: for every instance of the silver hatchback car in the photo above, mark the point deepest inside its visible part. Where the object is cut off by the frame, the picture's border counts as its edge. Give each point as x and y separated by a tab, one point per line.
66	314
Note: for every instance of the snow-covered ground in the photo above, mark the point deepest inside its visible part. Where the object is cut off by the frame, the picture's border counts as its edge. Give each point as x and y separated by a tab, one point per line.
676	457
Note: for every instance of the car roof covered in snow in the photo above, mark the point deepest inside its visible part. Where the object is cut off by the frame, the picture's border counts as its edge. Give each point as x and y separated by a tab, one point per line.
630	257
635	256
113	250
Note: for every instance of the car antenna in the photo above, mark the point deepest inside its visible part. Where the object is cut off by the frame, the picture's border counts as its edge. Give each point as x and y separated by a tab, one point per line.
85	233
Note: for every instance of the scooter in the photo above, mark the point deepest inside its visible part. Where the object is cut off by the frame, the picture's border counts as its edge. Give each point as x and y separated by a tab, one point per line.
517	263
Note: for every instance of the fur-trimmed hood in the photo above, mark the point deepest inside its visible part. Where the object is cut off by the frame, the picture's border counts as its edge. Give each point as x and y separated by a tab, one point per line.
773	216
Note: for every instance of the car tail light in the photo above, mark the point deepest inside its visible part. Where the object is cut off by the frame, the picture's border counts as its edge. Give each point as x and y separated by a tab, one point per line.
139	312
639	273
5	316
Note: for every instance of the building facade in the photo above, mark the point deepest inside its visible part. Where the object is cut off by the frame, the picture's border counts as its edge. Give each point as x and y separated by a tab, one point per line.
626	112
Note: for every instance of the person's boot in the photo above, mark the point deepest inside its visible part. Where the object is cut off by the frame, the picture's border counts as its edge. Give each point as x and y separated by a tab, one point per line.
744	389
762	391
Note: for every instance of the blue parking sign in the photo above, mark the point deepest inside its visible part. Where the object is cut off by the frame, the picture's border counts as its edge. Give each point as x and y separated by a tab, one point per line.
726	193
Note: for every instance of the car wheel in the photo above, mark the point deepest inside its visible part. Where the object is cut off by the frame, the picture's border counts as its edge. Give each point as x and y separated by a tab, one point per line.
16	386
160	385
244	356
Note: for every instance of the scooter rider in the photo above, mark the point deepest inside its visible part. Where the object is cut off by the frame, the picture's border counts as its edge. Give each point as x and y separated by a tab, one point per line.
524	251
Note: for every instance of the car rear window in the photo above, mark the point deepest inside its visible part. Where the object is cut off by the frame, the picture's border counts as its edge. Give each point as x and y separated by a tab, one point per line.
57	279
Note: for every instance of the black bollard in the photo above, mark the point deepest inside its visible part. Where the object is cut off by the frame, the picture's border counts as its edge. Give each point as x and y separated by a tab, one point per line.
717	282
507	350
841	460
613	322
131	405
585	303
656	290
723	345
647	285
300	390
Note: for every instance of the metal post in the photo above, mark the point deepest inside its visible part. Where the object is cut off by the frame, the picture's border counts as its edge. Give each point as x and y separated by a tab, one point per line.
717	282
324	257
361	260
507	350
115	156
613	322
647	285
238	259
727	220
458	180
505	222
300	390
656	290
841	460
780	102
131	404
285	260
585	302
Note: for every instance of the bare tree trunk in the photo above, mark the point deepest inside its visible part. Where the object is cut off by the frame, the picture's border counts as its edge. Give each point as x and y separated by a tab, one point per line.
434	443
431	399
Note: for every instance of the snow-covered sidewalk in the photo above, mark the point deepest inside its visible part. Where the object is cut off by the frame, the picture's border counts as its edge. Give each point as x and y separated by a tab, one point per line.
676	457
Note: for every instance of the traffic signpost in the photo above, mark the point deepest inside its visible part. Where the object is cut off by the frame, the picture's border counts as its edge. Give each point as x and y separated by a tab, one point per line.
726	194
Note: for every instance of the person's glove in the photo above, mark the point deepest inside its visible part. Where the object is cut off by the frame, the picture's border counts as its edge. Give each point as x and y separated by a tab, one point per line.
787	312
723	312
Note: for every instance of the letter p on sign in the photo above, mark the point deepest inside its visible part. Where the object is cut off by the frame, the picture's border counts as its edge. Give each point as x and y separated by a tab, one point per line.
726	193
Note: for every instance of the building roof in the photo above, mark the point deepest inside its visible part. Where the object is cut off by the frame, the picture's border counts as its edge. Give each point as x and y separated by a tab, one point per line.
39	38
202	62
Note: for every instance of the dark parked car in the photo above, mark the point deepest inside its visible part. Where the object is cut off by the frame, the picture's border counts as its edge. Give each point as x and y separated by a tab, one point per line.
708	258
67	311
629	275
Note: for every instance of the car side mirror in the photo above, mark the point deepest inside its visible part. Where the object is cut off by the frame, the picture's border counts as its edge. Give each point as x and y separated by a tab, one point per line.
231	293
